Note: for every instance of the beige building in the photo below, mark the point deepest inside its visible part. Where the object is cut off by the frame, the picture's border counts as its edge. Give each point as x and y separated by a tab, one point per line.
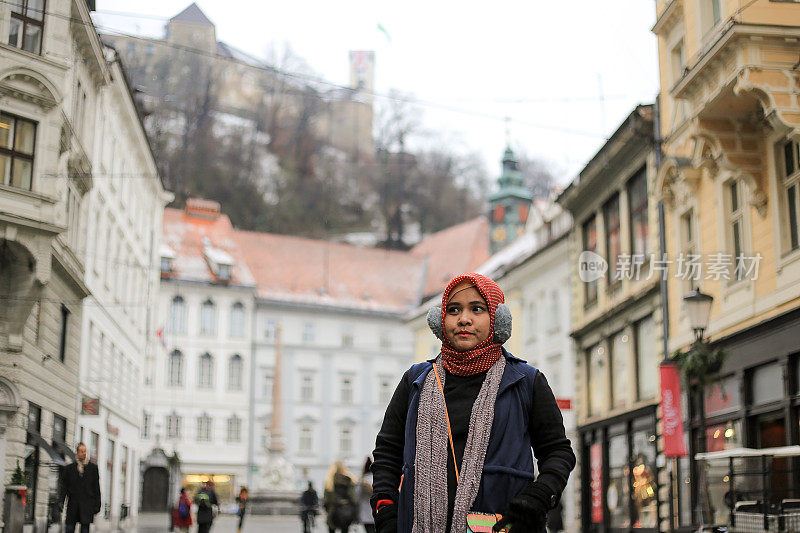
616	317
730	124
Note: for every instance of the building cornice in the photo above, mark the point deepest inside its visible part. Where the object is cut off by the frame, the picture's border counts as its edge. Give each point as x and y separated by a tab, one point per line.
307	306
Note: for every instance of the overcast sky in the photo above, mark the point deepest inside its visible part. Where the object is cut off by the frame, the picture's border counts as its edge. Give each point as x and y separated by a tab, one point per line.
544	64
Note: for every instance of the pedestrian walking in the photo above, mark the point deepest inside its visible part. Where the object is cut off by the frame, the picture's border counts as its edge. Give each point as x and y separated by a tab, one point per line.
364	495
208	488
309	506
339	498
459	429
80	483
241	501
205	511
182	513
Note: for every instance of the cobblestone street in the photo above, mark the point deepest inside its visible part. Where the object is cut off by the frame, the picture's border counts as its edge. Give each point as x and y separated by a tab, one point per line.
158	523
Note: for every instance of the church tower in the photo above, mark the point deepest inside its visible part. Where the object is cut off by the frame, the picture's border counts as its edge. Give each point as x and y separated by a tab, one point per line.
509	206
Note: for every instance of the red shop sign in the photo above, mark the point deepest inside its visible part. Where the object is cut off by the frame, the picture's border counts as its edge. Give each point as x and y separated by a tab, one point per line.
671	415
596	468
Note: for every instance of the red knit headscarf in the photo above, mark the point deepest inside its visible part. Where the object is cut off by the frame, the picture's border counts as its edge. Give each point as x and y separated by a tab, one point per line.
485	354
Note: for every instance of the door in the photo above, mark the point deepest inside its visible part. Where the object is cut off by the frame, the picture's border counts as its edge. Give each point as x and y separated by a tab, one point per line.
155	488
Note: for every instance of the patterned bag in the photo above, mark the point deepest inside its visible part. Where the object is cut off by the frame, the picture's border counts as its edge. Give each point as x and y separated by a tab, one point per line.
483	522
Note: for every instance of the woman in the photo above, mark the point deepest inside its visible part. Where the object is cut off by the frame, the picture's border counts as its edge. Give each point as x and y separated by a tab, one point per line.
457	435
182	514
241	500
339	498
364	494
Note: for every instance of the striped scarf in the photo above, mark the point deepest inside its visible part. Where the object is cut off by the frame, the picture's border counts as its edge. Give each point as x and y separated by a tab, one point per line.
430	463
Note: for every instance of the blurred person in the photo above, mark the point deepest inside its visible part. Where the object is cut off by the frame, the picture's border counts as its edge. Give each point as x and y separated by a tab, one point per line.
364	495
182	513
459	429
339	498
309	506
80	483
241	501
205	511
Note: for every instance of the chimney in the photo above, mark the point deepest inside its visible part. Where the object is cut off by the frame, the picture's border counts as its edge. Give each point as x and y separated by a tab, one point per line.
199	208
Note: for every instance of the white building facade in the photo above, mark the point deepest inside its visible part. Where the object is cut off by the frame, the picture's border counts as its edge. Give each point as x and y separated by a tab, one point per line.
123	229
196	384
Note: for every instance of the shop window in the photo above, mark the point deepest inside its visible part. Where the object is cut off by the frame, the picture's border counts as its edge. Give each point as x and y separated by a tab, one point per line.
618	493
644	479
723	397
27	21
724	436
767	384
620	369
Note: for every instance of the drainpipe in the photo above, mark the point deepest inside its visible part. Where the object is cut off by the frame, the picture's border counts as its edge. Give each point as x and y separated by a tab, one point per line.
662	238
251	418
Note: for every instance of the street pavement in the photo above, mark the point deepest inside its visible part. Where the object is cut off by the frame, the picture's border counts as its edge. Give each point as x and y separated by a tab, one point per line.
158	523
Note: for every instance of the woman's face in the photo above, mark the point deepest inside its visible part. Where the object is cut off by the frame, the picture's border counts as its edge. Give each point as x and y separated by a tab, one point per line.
466	319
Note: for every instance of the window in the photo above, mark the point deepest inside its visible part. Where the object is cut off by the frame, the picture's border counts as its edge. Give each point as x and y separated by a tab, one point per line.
173	426
147	420
710	15
678	62
620	369
689	274
735	216
79	109
175	371
205	372
555	310
237	320
27	19
613	239
347	336
347	389
385	340
637	202
307	388
646	358
207	318
34	428
589	235
306	439
234	429
62	344
345	440
790	155
597	379
308	332
270	330
204	428
767	384
384	390
177	315
266	384
235	373
166	264
17	139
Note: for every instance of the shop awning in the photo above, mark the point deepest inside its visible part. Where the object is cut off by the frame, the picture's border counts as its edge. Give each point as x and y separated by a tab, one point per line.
779	451
39	441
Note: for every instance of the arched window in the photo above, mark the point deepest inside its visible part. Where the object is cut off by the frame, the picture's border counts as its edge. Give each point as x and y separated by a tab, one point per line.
234	429
235	372
205	428
175	370
205	371
177	315
208	318
237	320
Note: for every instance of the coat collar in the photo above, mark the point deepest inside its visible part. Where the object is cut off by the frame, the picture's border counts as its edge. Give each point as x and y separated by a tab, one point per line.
510	375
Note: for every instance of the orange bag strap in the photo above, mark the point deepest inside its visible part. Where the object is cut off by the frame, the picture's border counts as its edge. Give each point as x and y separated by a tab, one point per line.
447	417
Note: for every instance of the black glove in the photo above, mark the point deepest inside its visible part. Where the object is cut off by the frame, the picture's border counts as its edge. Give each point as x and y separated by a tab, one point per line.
386	519
527	512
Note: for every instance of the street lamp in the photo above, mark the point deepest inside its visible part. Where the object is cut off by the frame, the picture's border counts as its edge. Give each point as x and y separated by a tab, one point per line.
698	307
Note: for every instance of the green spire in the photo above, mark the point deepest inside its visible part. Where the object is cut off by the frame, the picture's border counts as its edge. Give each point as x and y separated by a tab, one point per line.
511	181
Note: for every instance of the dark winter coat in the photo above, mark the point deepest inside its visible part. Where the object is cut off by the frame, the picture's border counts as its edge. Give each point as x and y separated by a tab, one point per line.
340	503
525	416
82	491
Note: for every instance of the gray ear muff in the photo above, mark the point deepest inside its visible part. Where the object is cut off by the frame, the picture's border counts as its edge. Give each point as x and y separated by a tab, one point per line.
435	321
502	323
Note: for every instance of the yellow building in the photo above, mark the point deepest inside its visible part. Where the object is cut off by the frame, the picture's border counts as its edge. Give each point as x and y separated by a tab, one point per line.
730	184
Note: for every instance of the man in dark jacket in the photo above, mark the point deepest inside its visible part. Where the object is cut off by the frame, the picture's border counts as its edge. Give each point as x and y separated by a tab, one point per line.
80	482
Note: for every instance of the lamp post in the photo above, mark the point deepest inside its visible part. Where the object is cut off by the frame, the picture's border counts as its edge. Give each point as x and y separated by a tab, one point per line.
698	308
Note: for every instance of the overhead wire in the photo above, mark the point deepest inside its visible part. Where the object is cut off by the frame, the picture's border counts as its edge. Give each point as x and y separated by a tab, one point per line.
313	79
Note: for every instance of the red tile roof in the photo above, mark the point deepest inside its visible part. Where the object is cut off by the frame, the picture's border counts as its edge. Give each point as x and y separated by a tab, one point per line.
452	251
185	234
300	270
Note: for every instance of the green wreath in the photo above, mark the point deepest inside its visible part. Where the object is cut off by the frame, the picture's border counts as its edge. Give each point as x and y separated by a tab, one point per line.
700	363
